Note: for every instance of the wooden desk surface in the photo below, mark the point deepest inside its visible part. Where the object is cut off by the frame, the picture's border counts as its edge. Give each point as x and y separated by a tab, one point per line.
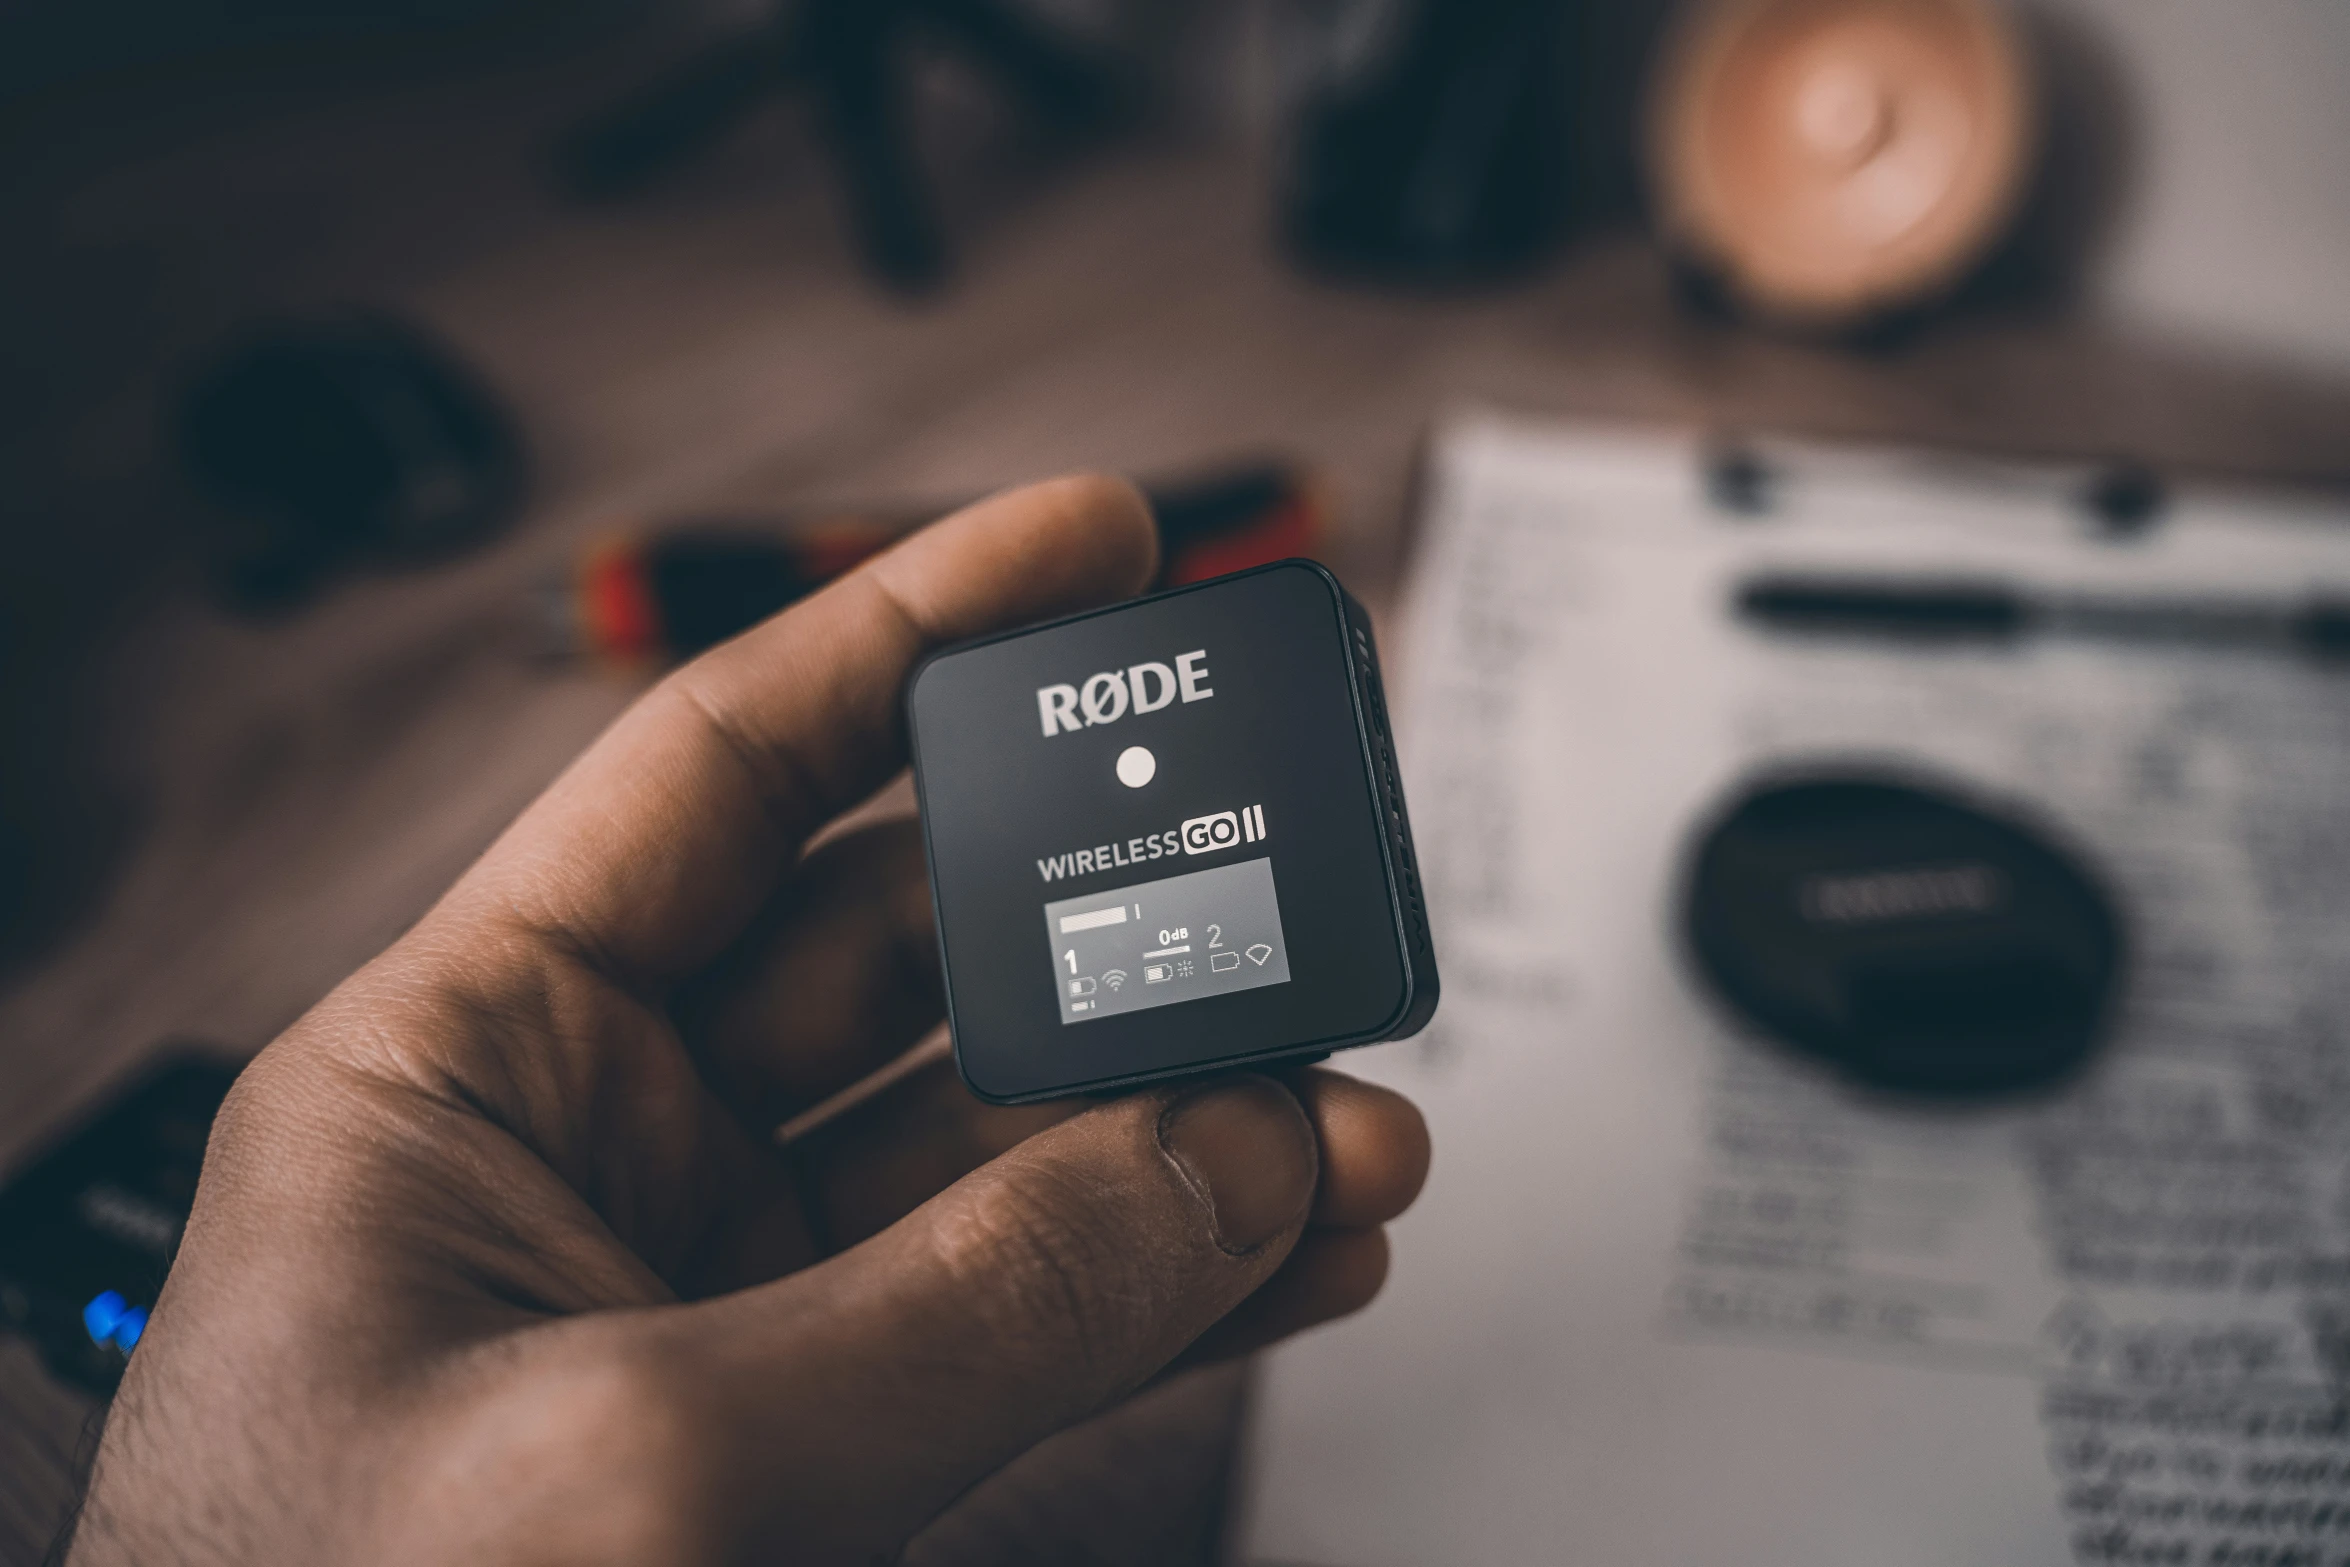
306	789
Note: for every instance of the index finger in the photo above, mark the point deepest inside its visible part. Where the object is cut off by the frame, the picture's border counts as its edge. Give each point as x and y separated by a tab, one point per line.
654	849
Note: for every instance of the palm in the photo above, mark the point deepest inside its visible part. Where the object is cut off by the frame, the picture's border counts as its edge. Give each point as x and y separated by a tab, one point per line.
656	1156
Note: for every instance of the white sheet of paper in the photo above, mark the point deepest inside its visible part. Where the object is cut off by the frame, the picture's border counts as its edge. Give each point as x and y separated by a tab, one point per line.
1673	1297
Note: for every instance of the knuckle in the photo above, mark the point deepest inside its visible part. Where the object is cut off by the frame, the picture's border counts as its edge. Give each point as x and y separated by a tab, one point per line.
1051	1274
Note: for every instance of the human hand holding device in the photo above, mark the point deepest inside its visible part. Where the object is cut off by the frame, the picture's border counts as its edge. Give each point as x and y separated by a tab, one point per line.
493	1260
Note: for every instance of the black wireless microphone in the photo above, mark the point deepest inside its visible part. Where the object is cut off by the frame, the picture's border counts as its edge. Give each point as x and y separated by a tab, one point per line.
1167	837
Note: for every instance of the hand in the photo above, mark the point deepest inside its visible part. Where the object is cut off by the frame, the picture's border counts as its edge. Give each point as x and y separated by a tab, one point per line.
494	1260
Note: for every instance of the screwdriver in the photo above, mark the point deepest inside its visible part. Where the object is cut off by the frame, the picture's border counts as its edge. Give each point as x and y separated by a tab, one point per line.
669	592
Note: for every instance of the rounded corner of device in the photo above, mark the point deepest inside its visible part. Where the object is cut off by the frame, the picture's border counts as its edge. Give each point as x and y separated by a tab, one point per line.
979	1090
1314	568
922	669
1412	1009
1419	1008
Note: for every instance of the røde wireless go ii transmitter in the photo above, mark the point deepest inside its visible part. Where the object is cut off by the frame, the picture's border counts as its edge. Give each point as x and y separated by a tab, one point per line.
1167	837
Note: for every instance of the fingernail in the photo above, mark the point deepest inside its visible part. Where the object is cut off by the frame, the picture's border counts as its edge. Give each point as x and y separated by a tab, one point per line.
1247	1148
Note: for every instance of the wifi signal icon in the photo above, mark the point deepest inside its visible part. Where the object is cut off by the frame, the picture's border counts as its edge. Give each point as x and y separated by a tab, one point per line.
1114	978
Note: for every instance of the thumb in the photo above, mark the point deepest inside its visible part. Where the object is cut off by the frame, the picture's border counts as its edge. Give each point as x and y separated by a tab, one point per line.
1035	1291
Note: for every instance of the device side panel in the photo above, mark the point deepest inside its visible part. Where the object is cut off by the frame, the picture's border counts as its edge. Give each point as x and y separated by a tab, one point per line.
1411	904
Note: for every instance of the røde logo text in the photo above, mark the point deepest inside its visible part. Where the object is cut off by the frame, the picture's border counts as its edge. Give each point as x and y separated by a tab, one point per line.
1105	698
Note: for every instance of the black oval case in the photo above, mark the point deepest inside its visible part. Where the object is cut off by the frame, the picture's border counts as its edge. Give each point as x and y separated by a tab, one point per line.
1912	938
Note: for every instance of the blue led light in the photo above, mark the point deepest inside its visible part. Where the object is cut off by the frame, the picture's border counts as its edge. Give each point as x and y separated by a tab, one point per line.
104	1314
114	1320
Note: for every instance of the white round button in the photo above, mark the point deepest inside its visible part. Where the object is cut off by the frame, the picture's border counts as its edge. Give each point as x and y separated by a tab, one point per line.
1136	766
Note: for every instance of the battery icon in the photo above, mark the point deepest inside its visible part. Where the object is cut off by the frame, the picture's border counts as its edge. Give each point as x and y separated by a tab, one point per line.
1157	973
1222	962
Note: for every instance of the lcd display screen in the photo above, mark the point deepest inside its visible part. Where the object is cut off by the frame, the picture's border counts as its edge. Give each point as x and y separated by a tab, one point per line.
1155	943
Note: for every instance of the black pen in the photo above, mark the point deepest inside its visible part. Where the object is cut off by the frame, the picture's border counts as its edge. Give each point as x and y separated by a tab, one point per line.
1962	609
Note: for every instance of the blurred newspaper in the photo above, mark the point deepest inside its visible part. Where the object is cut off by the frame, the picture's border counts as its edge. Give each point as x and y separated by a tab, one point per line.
1673	1297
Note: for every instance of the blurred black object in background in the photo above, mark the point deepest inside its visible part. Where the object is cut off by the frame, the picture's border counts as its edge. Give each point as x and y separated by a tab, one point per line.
851	57
1911	940
2126	499
346	439
1981	609
1447	161
88	1231
47	48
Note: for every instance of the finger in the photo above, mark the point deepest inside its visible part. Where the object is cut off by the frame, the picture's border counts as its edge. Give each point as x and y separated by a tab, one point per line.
892	1154
1374	1148
1028	1295
837	977
883	1161
1331	1274
654	849
888	1157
